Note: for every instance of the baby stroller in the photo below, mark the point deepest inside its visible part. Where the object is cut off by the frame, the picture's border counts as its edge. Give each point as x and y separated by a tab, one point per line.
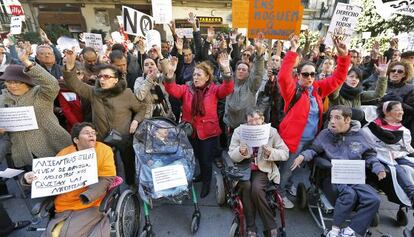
227	191
164	166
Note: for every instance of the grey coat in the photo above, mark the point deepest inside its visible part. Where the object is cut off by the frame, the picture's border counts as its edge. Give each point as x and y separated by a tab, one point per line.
50	138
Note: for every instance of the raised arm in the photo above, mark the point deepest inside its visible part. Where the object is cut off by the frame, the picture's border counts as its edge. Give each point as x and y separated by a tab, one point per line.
226	88
255	77
381	86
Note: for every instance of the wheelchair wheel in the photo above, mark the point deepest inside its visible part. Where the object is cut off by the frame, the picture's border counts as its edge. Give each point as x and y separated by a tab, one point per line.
301	196
220	190
376	220
402	218
234	230
128	215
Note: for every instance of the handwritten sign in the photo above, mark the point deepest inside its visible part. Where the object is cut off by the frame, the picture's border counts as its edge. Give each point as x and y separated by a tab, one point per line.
167	177
255	136
348	172
15	119
153	38
62	174
345	18
94	41
239	9
184	32
15	25
386	8
275	19
136	22
162	11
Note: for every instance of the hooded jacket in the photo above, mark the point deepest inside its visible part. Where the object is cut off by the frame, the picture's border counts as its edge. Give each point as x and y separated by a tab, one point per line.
351	145
111	108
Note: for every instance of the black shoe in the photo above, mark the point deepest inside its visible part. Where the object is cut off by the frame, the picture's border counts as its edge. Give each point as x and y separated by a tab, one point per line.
205	190
197	179
21	224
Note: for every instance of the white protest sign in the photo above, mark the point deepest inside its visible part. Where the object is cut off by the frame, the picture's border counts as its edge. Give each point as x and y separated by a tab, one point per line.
345	18
184	32
62	174
15	119
94	41
120	20
117	37
153	38
162	11
10	173
65	42
136	22
348	172
255	136
15	25
385	8
167	177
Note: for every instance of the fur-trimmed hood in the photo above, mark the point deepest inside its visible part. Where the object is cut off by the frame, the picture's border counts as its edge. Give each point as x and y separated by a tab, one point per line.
119	87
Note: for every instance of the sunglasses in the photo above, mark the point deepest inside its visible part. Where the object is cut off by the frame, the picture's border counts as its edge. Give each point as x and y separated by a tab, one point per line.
105	77
399	71
307	74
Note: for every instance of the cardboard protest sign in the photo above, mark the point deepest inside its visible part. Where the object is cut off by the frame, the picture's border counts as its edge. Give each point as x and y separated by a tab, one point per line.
386	8
162	11
275	19
15	25
153	38
15	119
94	41
255	136
136	22
239	9
62	174
345	18
167	177
348	172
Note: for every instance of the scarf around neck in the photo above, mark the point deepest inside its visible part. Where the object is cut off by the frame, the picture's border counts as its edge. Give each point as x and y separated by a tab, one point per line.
350	93
387	136
197	103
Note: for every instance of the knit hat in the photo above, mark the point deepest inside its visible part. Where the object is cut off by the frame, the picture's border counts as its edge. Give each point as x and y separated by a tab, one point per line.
15	72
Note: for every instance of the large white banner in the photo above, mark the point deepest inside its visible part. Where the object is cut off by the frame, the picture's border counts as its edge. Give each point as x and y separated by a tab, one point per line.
136	22
15	119
162	11
385	8
62	174
344	20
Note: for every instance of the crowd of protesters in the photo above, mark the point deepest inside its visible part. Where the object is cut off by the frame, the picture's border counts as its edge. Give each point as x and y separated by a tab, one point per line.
213	83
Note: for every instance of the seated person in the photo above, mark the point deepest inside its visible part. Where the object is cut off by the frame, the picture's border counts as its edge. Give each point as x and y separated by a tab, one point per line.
343	139
261	162
77	212
162	150
392	141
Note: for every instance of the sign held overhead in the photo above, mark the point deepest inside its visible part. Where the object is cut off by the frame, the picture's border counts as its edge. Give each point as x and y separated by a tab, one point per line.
136	22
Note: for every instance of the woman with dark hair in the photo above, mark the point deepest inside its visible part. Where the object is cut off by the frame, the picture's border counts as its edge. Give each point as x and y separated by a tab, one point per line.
199	100
351	93
77	211
113	107
303	102
325	69
31	85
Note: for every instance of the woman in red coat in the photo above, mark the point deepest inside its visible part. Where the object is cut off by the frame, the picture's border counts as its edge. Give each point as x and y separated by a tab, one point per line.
199	99
304	119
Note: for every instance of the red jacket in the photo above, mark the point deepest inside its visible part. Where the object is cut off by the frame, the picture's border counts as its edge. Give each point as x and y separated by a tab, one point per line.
70	103
208	125
293	125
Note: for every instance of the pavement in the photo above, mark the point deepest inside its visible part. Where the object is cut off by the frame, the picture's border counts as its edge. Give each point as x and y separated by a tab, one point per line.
172	220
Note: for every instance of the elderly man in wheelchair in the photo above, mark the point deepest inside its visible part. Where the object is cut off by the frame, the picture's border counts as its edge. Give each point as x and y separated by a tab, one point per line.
259	169
344	140
82	212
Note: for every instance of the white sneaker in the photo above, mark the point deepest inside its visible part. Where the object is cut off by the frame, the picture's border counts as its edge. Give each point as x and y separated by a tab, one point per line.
288	203
292	190
333	233
347	232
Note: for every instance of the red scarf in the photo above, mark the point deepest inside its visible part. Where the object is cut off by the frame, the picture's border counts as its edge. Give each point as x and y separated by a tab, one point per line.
383	124
197	104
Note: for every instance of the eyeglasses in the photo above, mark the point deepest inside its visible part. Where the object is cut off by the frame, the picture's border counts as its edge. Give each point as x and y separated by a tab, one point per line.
91	133
246	54
399	71
105	77
307	74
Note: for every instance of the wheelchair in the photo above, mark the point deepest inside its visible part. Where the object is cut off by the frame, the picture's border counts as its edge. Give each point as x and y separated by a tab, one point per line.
227	192
122	209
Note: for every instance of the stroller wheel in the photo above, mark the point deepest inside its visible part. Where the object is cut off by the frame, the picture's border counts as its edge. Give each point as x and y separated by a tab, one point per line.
281	232
234	230
301	196
402	219
195	224
220	191
376	220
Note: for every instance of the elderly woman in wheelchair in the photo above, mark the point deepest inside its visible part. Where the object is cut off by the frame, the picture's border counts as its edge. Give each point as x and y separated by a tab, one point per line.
260	169
392	141
77	212
344	140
